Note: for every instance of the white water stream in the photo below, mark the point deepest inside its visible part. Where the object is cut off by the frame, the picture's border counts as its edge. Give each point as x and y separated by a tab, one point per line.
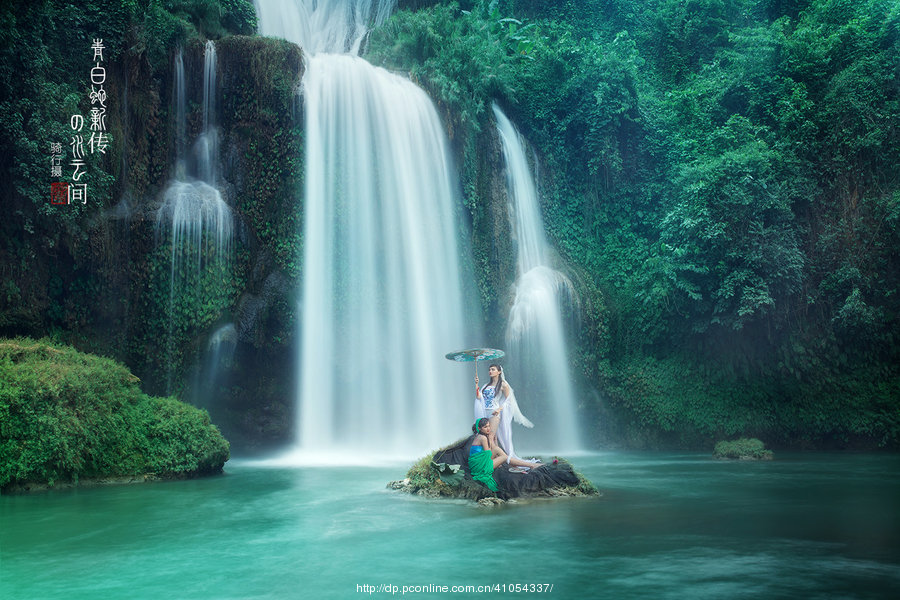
537	361
197	219
381	275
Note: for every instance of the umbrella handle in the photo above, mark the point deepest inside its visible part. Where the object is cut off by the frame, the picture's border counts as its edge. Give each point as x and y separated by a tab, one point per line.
476	373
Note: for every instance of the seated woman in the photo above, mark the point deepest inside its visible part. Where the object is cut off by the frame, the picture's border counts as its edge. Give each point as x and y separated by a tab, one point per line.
485	455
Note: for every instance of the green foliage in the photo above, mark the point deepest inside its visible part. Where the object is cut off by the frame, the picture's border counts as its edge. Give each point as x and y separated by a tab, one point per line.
239	16
68	415
683	34
170	23
179	303
260	104
675	401
423	475
581	93
729	237
181	440
723	173
672	397
464	57
742	449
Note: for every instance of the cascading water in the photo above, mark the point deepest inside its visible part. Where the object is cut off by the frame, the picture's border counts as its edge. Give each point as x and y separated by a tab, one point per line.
322	26
206	148
381	284
535	335
199	221
216	364
180	116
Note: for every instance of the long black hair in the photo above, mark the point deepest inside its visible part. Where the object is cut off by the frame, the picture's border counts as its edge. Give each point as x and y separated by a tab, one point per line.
478	423
498	387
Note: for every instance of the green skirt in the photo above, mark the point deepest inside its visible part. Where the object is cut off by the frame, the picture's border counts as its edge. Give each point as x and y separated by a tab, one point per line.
482	467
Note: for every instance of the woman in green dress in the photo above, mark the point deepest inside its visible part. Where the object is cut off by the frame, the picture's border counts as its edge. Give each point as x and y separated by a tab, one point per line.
485	455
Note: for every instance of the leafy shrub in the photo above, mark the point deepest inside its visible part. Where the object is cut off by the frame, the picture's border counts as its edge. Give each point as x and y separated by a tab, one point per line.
65	415
743	449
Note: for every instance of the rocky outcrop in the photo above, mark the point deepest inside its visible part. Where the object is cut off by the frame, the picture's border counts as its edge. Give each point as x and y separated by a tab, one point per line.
444	474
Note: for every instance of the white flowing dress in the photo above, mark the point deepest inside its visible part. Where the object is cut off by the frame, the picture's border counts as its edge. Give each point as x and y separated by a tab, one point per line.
488	403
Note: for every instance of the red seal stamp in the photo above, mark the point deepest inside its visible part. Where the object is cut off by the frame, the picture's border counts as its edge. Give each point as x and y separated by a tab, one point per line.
59	192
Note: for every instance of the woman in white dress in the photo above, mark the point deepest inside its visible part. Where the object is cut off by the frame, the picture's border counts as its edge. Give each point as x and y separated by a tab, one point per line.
497	401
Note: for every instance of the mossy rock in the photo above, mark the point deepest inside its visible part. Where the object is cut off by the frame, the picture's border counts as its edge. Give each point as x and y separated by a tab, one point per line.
742	449
67	416
432	480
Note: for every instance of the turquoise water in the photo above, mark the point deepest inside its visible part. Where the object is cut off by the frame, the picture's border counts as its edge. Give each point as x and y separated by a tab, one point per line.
667	526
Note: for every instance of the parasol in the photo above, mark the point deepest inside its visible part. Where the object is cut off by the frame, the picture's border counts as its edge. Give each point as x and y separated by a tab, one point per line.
476	354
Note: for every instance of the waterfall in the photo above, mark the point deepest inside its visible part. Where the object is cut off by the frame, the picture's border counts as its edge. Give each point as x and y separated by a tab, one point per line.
212	375
381	275
381	299
180	115
535	333
209	86
198	220
206	148
322	26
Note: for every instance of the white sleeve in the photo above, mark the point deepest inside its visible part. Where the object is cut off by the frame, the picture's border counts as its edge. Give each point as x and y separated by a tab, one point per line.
504	432
478	410
515	413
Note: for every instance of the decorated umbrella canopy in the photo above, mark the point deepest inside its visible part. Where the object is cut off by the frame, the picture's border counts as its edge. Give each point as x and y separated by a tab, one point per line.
476	354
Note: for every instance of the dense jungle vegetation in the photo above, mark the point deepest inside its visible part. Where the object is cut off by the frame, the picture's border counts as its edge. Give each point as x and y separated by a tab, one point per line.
726	176
720	179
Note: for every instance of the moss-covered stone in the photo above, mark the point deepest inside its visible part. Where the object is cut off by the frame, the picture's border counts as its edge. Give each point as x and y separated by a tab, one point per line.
742	449
66	416
424	479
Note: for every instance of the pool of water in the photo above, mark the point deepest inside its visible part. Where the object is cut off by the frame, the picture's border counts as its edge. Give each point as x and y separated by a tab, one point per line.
666	526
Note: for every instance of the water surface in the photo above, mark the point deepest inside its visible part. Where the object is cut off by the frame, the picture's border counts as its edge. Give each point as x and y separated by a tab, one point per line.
667	526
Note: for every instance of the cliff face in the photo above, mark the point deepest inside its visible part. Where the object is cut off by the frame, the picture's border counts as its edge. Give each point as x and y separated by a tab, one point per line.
261	172
476	147
99	276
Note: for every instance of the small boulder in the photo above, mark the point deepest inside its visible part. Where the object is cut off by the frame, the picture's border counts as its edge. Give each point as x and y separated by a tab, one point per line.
491	502
742	449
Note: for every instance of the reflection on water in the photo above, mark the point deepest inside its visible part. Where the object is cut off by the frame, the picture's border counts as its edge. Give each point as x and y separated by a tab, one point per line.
667	526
